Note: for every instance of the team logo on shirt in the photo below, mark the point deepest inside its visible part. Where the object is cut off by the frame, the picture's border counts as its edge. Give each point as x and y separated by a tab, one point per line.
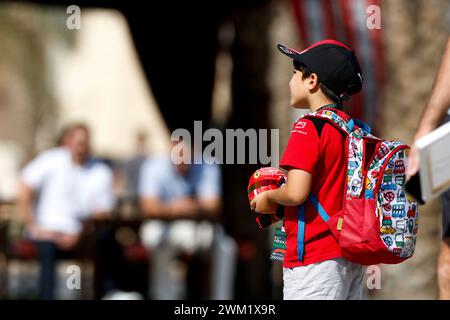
300	125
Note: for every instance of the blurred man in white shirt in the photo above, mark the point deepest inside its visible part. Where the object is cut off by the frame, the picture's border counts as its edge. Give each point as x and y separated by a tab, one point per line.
58	189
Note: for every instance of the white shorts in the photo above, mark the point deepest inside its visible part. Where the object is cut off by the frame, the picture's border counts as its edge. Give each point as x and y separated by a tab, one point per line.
336	279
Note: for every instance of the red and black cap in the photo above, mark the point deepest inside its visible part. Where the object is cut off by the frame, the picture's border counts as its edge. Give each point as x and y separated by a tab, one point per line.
334	63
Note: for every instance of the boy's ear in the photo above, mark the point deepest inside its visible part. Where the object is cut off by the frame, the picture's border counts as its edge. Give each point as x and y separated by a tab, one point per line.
313	81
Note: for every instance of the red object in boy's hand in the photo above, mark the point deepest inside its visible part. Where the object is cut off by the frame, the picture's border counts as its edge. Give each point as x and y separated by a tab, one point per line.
267	178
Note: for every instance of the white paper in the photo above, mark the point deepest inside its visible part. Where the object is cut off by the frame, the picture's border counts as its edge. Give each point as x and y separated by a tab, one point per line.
434	153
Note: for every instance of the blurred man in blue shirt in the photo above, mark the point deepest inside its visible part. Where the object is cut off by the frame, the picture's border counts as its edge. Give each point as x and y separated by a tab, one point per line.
183	201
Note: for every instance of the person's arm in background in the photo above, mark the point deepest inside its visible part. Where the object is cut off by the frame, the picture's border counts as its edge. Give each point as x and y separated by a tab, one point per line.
209	191
153	207
32	179
434	111
151	184
25	206
210	206
149	191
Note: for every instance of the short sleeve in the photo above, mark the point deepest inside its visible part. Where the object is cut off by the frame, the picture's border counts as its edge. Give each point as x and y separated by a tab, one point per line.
35	172
151	173
303	148
209	183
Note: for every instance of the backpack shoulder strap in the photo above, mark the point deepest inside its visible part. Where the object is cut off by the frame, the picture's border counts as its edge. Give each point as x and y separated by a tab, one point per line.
319	119
319	123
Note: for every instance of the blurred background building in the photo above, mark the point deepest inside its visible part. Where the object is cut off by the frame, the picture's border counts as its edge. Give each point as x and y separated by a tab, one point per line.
131	71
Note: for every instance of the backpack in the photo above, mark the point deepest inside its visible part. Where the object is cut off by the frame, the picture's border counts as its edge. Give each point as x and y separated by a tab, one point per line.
378	221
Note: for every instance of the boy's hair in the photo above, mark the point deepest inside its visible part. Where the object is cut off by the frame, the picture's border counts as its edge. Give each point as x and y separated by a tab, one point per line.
306	72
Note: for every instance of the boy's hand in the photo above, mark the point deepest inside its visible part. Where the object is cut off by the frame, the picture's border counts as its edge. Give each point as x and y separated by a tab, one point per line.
262	204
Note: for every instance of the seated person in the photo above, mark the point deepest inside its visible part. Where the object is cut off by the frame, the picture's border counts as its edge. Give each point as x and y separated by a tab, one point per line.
58	189
183	193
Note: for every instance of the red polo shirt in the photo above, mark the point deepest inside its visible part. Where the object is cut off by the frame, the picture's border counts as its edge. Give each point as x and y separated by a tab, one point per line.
324	157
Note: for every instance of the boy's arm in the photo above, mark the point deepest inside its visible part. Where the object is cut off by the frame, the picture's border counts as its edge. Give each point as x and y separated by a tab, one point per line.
293	193
300	158
435	109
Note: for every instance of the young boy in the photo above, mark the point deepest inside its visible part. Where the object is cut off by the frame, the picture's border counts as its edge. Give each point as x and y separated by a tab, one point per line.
324	75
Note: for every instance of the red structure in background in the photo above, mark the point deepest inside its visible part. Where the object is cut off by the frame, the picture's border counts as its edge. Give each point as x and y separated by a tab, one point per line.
346	21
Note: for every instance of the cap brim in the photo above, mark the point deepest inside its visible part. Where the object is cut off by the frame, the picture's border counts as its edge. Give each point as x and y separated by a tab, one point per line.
291	53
